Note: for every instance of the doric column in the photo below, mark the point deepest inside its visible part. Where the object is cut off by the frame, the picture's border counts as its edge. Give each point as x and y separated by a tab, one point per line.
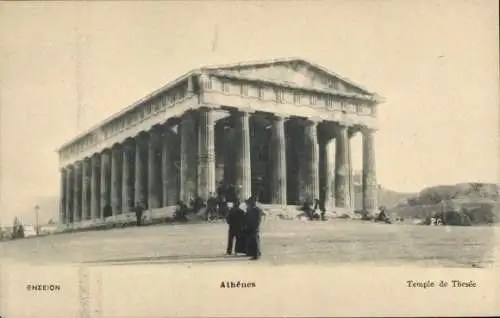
327	171
77	194
127	185
139	186
169	172
153	174
242	172
95	187
352	193
342	168
370	187
116	180
311	164
86	189
206	154
69	195
62	197
278	162
105	181
188	157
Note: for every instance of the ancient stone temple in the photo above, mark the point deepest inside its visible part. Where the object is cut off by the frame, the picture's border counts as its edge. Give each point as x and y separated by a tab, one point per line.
278	129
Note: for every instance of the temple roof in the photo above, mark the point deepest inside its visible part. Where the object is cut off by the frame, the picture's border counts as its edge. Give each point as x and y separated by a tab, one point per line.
287	71
292	69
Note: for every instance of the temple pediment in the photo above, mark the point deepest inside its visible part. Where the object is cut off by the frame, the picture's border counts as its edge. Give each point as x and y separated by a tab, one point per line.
293	71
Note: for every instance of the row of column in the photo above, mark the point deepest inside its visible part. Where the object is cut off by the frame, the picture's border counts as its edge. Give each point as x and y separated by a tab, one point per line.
144	172
140	172
198	176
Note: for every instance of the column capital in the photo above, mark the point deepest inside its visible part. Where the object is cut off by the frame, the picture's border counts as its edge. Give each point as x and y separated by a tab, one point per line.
311	122
315	119
141	137
207	107
351	133
243	111
340	128
128	144
155	134
117	148
365	130
279	118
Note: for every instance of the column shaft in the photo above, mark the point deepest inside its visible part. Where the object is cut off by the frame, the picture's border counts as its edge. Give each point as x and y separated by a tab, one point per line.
139	186
241	142
188	157
105	182
69	195
370	187
311	164
342	169
62	197
352	193
77	194
278	162
327	171
206	154
169	172
153	174
116	180
127	185
95	187
86	189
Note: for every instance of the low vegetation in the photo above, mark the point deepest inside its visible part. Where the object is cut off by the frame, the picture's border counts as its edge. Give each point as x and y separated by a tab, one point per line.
460	204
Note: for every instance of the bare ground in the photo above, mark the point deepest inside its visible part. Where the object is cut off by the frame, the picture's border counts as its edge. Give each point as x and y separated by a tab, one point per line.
334	242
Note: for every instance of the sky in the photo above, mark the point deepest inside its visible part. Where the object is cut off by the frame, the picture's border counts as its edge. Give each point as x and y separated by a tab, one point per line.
435	62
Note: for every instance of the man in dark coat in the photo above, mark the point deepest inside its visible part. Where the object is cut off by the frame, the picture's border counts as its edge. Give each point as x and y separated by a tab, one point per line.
230	193
306	208
181	211
236	221
107	211
221	192
253	218
139	210
211	206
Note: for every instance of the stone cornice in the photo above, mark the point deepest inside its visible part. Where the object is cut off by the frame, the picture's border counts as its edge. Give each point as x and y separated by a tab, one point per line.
291	60
130	108
375	99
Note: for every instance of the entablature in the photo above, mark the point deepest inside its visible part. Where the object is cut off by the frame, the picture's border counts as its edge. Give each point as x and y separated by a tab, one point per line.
118	126
245	92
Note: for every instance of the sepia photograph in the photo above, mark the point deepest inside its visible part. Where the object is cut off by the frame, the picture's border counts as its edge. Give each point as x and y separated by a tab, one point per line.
249	158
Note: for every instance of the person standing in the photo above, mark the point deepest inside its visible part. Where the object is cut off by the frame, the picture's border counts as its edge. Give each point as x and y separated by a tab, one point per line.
236	221
253	219
211	207
139	210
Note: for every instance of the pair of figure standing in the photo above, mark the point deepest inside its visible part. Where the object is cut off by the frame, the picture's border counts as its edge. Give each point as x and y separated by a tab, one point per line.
245	228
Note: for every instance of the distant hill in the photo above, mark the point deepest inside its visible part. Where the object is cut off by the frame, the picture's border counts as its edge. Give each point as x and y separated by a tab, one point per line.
480	201
386	197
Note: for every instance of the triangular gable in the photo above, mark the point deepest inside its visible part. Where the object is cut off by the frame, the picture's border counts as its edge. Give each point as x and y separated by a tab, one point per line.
294	71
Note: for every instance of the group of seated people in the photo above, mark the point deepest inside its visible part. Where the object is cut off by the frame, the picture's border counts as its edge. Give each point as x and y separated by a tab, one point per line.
216	206
314	212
